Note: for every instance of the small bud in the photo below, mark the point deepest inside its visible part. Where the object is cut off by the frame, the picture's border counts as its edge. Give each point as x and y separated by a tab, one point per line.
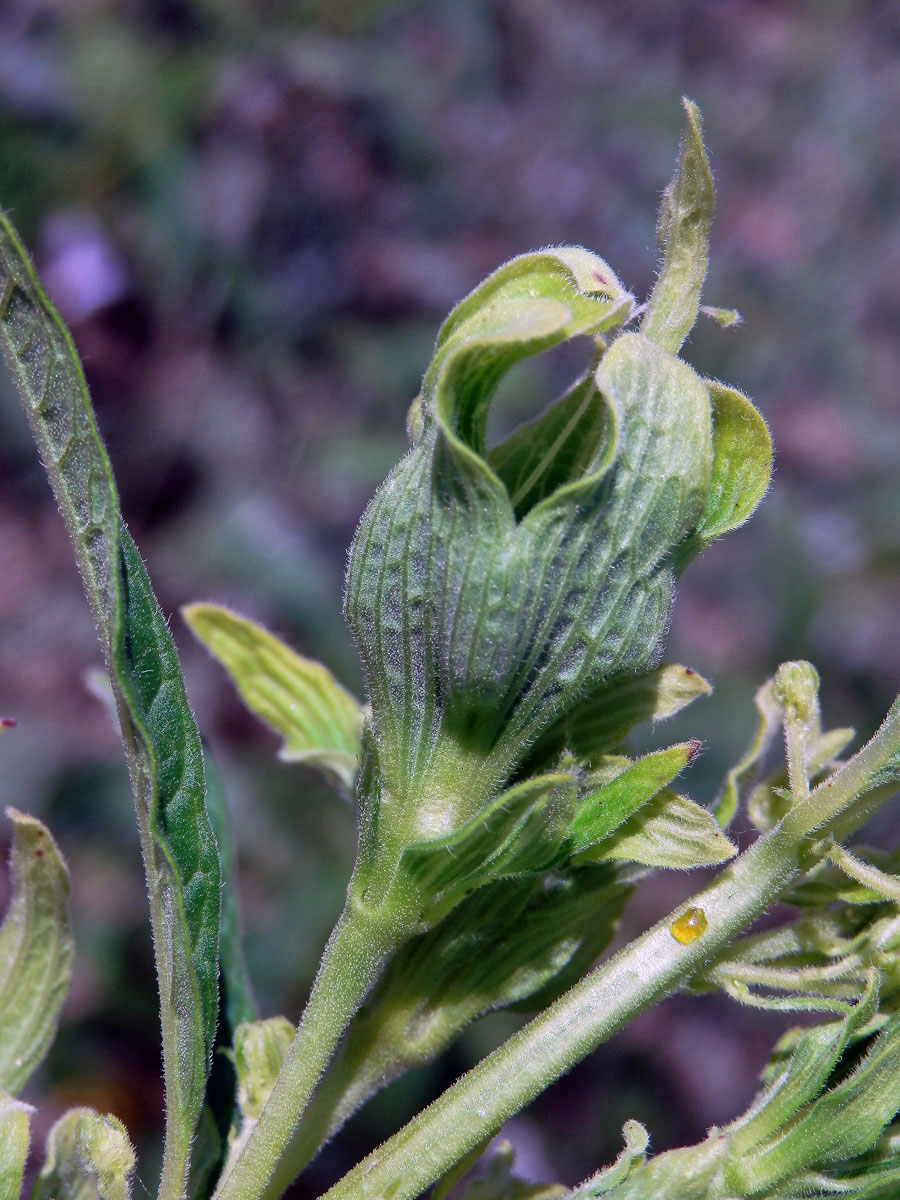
259	1050
797	691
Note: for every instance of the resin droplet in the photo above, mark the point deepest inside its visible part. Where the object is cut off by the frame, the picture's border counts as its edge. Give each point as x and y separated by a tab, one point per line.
689	926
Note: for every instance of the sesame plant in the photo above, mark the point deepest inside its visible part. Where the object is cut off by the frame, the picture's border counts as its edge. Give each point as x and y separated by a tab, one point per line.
509	604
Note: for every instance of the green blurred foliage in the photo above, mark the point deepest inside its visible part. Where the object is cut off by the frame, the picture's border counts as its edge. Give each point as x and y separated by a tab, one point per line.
254	217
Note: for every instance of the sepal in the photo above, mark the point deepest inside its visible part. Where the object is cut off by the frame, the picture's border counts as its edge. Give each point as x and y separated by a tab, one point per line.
620	788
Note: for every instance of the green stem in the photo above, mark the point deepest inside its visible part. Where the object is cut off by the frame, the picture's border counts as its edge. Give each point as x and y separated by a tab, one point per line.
355	953
177	1141
642	973
351	1081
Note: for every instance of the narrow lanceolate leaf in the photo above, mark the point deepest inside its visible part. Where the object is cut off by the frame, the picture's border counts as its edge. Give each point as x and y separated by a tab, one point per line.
87	1157
35	951
741	468
297	697
601	721
14	1119
609	805
161	740
682	231
669	831
236	991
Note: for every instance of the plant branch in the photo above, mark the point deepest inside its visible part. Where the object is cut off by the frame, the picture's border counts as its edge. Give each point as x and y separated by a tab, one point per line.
355	953
604	1001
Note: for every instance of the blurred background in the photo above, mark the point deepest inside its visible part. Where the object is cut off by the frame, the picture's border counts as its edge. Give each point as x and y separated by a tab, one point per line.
254	215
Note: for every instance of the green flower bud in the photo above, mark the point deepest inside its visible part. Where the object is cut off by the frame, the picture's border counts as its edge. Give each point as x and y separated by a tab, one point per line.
491	590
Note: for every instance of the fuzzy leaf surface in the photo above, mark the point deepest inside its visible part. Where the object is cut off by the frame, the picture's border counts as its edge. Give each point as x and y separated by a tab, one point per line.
87	1157
519	833
608	806
600	722
36	951
682	231
669	831
439	553
161	740
299	698
14	1136
741	468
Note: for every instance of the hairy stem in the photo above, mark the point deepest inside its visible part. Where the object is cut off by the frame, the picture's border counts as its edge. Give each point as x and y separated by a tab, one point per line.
355	953
643	972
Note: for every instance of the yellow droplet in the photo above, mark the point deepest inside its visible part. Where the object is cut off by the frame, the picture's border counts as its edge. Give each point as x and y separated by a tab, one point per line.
689	926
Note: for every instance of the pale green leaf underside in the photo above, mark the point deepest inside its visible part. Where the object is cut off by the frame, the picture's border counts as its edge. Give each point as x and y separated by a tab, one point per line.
14	1136
669	831
297	697
160	737
87	1157
36	951
840	1124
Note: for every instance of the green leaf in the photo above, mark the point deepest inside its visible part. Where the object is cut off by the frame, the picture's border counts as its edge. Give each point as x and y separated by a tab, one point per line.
35	951
600	722
814	1058
259	1050
574	438
768	724
237	1000
503	946
682	232
14	1135
669	831
170	759
607	807
841	1123
87	1157
741	468
519	833
161	740
297	697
